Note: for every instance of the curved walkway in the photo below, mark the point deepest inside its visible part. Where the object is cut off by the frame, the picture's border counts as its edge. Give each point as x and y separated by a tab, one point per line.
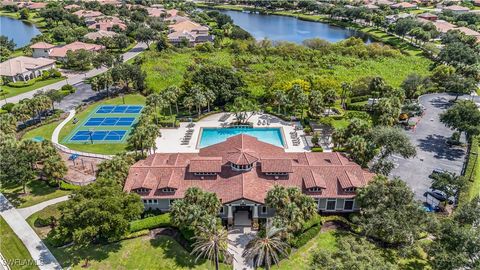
57	130
28	211
35	246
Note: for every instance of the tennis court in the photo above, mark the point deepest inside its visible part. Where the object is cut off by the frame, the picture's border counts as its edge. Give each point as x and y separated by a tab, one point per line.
119	109
105	124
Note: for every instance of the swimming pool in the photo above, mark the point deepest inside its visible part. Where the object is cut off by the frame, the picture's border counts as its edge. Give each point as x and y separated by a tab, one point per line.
211	136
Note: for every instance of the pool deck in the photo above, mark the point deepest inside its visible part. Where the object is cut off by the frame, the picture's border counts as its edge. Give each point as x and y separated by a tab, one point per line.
170	141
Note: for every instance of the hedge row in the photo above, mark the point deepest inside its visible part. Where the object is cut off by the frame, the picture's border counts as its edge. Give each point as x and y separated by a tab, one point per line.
304	237
360	106
359	99
162	220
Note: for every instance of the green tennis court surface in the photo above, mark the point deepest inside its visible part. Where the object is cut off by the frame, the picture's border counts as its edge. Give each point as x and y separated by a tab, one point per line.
106	124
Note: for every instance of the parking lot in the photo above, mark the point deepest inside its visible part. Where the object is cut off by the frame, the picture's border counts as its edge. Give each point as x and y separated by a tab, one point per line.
429	137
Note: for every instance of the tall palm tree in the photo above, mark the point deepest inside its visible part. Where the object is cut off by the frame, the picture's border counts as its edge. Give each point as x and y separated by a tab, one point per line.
265	251
211	242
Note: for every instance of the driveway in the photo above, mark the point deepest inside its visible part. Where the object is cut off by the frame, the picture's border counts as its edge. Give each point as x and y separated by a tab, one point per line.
430	137
76	79
239	237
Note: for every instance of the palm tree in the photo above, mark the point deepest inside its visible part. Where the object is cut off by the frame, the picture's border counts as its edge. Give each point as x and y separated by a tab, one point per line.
346	88
170	95
265	251
54	168
211	243
21	111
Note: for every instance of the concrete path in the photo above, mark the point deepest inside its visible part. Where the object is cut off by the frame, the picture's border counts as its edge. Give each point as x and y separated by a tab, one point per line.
139	48
28	211
239	238
39	252
56	131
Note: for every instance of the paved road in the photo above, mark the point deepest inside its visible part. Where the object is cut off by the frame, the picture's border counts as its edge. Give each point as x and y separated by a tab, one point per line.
140	47
430	138
28	211
39	252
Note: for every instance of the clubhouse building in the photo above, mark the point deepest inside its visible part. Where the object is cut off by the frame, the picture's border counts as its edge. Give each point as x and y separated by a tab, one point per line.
240	171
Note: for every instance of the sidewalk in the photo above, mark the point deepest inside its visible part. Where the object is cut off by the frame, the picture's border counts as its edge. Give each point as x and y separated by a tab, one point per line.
30	239
139	48
28	211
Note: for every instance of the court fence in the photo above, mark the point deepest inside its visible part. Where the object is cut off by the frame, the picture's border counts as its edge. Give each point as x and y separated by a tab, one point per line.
83	154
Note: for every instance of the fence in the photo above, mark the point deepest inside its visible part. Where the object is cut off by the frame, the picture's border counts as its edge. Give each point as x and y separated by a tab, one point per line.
83	154
80	183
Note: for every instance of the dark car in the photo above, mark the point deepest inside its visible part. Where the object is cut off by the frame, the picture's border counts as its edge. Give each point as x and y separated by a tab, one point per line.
439	195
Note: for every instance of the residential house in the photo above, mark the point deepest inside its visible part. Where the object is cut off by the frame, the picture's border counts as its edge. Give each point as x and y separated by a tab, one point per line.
99	34
476	3
404	5
456	9
469	32
32	5
23	68
442	26
41	49
428	16
106	23
156	12
60	52
395	17
193	32
72	7
241	170
88	14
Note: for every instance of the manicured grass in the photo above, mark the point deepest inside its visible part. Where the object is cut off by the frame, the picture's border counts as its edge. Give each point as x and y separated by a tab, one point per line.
37	191
44	131
98	148
300	258
138	253
14	91
12	248
472	173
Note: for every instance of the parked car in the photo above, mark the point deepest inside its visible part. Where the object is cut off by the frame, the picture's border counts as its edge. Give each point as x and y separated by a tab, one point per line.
439	195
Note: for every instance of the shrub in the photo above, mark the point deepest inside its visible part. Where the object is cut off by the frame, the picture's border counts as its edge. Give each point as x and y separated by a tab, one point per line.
43	222
317	149
21	84
303	238
359	99
69	88
8	107
55	73
67	186
65	92
314	221
358	114
162	220
361	106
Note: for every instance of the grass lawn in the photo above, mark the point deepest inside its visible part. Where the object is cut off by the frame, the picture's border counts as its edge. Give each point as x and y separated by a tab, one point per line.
472	172
44	131
37	191
14	91
12	248
300	259
98	148
138	253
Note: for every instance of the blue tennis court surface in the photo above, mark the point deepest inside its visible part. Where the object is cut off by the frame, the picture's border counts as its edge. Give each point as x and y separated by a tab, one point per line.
110	121
119	109
99	135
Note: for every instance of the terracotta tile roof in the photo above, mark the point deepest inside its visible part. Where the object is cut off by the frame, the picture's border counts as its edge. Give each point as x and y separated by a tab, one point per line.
87	13
205	165
100	34
326	170
404	5
188	26
456	8
42	45
72	6
77	45
467	31
276	165
242	156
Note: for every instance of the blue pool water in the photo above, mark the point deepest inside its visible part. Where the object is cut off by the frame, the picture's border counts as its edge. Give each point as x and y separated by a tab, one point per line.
211	136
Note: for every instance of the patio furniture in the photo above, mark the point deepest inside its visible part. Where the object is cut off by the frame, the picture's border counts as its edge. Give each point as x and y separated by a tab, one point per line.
259	123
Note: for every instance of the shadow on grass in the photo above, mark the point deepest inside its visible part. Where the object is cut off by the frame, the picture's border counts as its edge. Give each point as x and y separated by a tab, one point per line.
14	191
175	251
71	256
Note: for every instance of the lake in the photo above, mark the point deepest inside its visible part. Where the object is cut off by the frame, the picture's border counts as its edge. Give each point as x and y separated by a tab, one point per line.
284	28
21	32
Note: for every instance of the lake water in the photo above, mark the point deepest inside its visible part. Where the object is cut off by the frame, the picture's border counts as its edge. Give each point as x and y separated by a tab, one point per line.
283	28
21	32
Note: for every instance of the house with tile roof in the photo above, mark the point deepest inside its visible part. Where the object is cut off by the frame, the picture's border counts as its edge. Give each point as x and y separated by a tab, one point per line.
456	9
99	34
25	68
241	170
106	23
41	49
404	5
193	32
60	52
87	14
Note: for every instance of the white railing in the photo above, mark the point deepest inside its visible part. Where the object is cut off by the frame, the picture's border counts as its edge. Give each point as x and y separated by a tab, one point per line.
83	154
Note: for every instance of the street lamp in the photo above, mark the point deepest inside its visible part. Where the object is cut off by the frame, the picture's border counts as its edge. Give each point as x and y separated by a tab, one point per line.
123	97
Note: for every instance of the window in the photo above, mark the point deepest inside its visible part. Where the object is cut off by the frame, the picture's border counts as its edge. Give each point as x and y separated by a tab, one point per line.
144	201
276	173
155	201
205	173
348	205
352	189
315	189
331	203
142	190
149	201
241	167
168	190
263	210
221	210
